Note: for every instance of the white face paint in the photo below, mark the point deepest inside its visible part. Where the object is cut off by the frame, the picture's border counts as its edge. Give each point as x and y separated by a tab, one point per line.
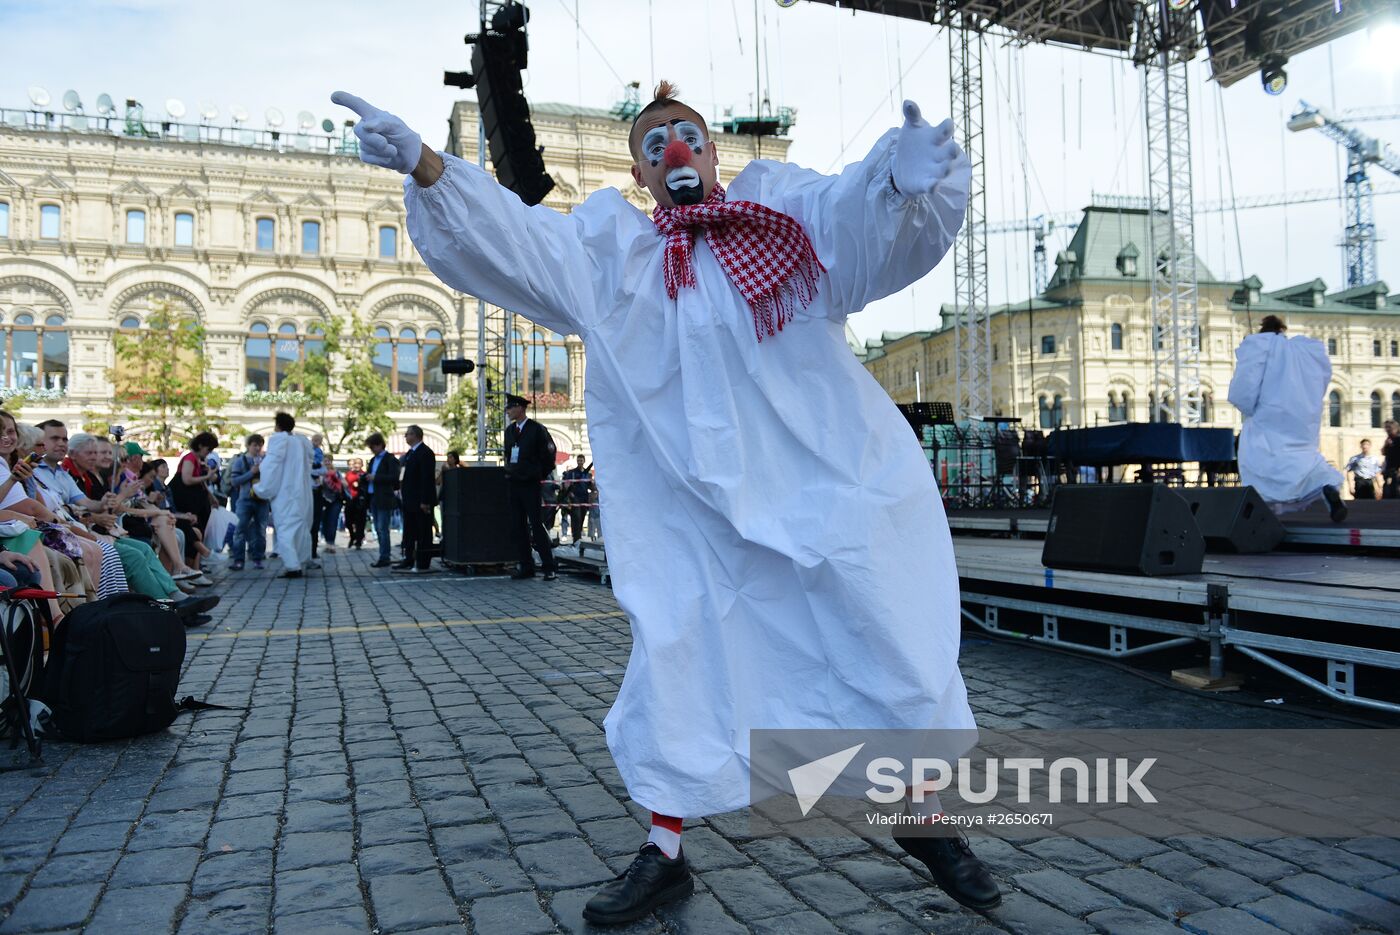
678	185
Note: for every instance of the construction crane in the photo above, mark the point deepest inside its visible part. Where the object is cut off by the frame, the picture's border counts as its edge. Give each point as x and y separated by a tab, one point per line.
1358	197
1042	226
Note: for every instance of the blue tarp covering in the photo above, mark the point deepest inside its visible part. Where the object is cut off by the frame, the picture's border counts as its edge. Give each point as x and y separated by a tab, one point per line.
1142	442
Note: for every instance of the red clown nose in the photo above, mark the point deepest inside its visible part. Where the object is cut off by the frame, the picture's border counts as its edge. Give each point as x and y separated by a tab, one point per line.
677	154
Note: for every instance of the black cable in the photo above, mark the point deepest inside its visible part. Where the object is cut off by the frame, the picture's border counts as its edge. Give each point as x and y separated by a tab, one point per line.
1176	686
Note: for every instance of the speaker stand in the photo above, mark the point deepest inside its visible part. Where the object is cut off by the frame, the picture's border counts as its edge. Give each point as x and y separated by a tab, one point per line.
1201	679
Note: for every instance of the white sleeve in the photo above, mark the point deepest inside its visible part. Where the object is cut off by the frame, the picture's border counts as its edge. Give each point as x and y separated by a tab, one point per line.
479	238
872	240
273	459
1250	359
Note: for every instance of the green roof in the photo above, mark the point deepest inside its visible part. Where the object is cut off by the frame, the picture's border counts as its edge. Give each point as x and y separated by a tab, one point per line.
1101	237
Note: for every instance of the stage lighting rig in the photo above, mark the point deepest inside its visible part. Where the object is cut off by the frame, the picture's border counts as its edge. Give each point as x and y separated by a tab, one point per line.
1272	74
1258	45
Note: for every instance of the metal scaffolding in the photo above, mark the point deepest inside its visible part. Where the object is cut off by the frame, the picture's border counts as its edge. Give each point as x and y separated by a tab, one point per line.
1167	42
972	359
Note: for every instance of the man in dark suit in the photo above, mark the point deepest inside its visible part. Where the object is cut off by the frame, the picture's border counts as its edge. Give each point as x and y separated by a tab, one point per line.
529	460
578	494
382	482
418	494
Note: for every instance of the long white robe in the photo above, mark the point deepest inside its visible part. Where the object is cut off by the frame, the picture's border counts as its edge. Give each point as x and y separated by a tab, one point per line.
1279	386
773	529
285	481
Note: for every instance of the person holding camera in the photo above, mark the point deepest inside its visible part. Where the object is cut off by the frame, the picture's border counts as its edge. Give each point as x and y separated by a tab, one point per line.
250	538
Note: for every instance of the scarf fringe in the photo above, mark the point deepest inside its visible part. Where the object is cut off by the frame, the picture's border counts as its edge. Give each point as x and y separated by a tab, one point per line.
775	307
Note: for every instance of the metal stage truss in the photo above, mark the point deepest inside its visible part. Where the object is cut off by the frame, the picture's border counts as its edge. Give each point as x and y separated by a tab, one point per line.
972	359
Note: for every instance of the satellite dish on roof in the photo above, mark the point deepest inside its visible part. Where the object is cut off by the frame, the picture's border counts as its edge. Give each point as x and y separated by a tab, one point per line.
239	113
273	116
208	110
327	126
174	107
105	107
306	120
72	103
38	96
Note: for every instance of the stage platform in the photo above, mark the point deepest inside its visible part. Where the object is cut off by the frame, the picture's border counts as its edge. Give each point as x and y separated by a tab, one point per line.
1329	621
1370	525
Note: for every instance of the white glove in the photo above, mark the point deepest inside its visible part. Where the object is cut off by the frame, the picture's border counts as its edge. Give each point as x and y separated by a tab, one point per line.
926	157
385	140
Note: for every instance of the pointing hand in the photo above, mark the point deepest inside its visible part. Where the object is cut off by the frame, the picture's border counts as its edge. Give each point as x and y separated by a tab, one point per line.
926	157
385	140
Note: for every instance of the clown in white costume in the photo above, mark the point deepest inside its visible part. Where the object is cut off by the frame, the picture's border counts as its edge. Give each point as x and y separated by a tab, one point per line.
1278	387
284	479
773	529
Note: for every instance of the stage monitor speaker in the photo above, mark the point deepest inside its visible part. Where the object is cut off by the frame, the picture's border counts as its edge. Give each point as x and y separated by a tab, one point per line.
475	518
1134	529
1234	519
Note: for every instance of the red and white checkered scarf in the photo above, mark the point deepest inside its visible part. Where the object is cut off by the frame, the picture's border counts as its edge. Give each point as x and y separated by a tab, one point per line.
765	254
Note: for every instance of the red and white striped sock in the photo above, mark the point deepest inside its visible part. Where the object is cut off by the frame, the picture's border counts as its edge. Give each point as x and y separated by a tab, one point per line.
666	834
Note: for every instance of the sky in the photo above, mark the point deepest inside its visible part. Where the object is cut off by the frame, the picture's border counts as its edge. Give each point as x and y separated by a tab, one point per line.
1061	125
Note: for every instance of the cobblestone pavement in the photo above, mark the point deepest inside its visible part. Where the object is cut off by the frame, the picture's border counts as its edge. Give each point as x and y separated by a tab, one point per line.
427	755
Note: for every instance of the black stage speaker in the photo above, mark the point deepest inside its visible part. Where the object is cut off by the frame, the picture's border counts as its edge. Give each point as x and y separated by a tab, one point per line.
1134	529
1234	519
475	528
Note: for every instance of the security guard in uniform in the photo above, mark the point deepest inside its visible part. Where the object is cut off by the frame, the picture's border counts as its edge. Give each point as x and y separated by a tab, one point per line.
529	454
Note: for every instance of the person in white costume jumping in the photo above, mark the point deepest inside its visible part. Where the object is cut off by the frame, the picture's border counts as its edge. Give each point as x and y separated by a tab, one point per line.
774	532
1278	387
284	479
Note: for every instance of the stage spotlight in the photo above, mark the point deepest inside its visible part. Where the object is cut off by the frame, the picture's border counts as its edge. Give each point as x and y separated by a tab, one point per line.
1274	78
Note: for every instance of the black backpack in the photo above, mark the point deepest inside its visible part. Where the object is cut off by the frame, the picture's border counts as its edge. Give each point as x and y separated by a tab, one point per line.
113	669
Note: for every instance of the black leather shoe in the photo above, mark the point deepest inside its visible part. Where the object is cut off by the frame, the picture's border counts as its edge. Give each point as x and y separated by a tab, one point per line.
651	881
296	573
197	620
955	868
1336	508
522	575
381	563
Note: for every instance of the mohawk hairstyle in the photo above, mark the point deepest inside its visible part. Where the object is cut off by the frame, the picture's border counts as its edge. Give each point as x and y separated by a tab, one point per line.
665	95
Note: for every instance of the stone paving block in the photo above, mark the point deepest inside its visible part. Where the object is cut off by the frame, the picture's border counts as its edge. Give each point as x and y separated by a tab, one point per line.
562	864
329	763
830	894
69	869
256	781
52	907
1147	890
486	876
1385	850
317	888
1388	888
708	851
102	837
455	810
1172	864
1252	863
314	849
532	829
1130	922
1065	892
700	914
374	796
1226	921
221	871
1070	855
145	868
37	831
319	816
1332	862
880	875
515	914
250	806
443	786
1297	918
317	788
1026	915
589	802
239	910
614	837
782	857
1342	900
392	826
341	920
750	894
405	857
1225	886
243	834
138	909
878	923
176	829
184	798
403	902
799	923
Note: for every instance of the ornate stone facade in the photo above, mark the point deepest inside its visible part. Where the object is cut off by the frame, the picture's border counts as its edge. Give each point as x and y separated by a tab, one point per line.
1079	354
262	242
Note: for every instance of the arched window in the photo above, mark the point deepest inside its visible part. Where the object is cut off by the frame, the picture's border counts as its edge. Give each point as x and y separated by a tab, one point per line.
1376	348
314	344
310	237
1207	407
136	226
406	359
1057	411
1115	337
542	364
267	235
184	229
1047	344
434	381
130	323
388	243
1045	416
1334	409
287	353
36	353
384	354
49	216
1116	410
1376	410
4	219
1331	347
1127	406
257	357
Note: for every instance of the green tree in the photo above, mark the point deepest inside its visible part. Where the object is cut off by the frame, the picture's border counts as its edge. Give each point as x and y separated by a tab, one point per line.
368	396
162	376
315	379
